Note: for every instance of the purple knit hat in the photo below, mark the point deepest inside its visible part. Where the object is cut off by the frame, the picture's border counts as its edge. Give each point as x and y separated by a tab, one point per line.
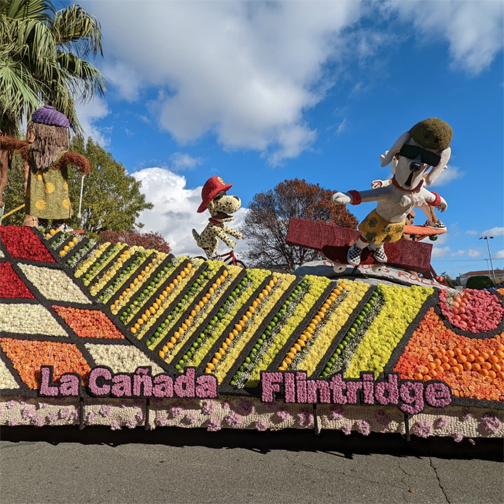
50	116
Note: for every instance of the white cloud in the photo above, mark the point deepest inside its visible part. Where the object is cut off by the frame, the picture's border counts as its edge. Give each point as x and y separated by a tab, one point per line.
341	128
472	232
244	71
181	161
448	175
458	253
88	114
498	255
473	29
438	252
495	231
474	253
175	211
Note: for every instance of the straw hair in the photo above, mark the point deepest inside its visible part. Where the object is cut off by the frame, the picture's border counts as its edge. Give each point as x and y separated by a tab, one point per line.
49	142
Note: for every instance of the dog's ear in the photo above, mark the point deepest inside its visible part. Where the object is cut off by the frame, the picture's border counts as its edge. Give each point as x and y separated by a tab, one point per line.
385	159
437	170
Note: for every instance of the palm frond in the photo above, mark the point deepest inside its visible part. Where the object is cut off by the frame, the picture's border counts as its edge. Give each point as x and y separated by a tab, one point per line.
74	28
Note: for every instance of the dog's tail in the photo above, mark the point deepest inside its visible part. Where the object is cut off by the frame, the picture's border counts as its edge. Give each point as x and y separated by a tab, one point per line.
196	236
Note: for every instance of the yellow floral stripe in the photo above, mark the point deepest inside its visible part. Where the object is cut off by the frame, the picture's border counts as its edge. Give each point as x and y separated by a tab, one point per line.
384	334
332	326
93	257
240	342
136	284
185	277
201	314
257	276
124	276
102	265
317	286
107	275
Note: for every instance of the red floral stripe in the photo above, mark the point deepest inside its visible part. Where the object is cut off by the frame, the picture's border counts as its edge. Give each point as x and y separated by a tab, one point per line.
22	243
11	286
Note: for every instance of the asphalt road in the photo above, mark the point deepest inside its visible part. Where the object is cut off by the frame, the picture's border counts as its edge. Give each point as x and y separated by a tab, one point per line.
186	466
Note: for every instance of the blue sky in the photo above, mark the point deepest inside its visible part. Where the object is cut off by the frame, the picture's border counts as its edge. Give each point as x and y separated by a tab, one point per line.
260	92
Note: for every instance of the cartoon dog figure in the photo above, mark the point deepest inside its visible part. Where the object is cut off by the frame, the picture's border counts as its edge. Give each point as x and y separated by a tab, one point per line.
426	145
220	205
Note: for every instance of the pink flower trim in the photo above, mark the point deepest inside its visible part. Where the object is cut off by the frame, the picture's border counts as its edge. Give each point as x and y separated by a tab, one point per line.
490	423
214	425
422	429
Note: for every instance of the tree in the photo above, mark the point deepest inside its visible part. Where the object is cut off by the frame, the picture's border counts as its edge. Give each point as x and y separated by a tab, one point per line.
449	280
112	200
267	222
150	240
42	60
479	282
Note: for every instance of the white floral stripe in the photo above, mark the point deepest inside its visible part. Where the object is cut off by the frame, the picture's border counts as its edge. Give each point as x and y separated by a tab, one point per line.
54	284
7	381
121	358
26	318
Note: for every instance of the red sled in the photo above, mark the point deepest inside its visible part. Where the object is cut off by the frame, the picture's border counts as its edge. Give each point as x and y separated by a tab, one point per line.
334	242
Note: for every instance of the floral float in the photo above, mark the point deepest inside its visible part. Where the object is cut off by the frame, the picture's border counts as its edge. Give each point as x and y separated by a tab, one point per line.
126	337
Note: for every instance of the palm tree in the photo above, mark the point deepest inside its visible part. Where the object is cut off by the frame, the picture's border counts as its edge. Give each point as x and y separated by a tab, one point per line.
43	60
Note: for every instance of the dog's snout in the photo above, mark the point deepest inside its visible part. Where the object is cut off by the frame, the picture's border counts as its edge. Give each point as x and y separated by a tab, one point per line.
414	167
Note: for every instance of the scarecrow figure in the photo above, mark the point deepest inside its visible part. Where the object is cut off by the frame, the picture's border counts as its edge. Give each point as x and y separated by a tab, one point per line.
46	156
220	205
426	145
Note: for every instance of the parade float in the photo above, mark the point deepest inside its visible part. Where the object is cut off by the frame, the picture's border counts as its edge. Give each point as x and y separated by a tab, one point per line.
108	334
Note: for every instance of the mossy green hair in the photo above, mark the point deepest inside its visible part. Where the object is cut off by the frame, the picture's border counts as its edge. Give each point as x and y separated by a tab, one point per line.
433	134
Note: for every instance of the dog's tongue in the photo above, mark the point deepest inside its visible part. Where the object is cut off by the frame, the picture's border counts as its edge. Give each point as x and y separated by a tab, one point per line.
221	215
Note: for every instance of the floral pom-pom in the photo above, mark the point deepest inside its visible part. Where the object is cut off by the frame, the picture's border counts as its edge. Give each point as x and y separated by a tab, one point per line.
177	410
214	425
441	422
91	417
382	418
363	427
422	429
336	412
160	421
38	421
490	423
139	415
283	414
245	408
105	410
64	413
233	419
261	425
115	425
28	412
191	418
458	437
346	429
305	418
208	407
131	424
52	416
12	421
467	415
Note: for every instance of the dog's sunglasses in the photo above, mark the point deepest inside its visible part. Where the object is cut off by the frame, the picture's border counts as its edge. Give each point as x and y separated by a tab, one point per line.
413	151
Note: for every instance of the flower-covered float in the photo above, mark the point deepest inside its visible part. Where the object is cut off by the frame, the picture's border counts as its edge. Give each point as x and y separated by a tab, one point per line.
108	334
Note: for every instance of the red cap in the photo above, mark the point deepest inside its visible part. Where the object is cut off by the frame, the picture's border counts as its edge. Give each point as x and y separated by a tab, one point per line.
213	186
